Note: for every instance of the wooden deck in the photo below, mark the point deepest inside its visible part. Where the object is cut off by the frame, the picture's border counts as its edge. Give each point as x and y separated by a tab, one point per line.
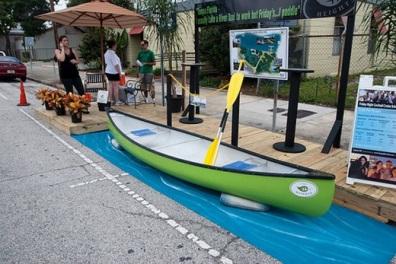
376	202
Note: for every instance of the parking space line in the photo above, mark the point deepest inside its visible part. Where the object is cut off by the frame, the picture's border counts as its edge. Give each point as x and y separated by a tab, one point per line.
161	215
3	96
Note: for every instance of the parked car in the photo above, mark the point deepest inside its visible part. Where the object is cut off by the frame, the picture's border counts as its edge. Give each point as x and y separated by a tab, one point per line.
11	67
2	53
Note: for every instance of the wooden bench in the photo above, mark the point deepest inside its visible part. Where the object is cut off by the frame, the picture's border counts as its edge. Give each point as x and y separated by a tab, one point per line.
94	77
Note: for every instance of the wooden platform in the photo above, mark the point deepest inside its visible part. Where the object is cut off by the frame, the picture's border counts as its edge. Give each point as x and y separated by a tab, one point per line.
376	202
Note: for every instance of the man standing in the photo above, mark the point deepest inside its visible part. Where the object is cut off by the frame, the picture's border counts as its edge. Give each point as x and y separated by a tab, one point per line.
146	61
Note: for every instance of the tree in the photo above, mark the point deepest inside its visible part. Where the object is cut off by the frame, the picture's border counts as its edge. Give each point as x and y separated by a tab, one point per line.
214	47
30	25
14	12
381	23
167	25
7	21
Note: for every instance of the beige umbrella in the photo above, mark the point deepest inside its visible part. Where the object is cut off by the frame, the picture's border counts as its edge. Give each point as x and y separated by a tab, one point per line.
97	13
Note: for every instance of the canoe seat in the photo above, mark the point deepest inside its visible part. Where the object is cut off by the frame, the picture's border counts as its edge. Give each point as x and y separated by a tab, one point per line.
240	165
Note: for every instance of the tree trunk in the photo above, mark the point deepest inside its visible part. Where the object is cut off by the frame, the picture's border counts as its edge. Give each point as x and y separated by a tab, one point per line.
8	43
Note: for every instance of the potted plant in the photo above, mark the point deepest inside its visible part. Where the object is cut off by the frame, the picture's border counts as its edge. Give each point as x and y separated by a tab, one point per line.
44	94
57	101
75	104
157	73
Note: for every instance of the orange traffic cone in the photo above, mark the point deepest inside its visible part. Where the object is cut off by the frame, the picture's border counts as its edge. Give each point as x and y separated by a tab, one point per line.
22	96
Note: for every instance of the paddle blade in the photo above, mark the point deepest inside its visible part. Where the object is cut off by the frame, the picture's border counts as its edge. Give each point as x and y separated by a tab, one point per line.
211	153
234	88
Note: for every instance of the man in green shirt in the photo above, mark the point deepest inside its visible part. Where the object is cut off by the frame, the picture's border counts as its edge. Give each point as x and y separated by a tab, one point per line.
146	61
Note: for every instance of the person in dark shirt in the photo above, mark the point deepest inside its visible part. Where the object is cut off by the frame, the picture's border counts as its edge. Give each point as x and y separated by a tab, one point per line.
68	66
359	168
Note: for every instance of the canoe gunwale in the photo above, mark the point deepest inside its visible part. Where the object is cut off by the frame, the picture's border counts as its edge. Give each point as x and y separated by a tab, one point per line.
312	174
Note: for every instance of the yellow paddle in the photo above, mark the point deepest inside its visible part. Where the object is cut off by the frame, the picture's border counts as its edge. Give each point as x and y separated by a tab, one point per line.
232	94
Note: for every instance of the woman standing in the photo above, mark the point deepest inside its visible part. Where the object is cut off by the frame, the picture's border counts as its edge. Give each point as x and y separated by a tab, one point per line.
68	67
113	71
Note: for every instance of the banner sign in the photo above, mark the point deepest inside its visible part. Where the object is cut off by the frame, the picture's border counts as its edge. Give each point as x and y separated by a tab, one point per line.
252	11
265	51
373	146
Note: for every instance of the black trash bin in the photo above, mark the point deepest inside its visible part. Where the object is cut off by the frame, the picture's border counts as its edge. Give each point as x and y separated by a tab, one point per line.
176	104
102	106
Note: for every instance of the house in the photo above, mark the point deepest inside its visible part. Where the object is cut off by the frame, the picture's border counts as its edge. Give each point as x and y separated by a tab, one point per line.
16	37
44	44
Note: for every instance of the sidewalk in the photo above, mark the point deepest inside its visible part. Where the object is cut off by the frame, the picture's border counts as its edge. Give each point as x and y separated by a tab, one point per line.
254	111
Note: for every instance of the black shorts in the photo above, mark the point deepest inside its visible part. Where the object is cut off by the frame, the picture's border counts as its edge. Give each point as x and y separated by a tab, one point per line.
113	77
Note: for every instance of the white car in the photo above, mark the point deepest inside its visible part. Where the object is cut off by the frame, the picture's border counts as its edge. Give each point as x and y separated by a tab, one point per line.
2	53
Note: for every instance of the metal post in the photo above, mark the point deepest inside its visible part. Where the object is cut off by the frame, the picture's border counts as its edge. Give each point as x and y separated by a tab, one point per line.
194	83
235	122
102	53
56	37
184	79
30	56
294	92
344	75
258	79
334	137
162	68
275	108
168	101
197	55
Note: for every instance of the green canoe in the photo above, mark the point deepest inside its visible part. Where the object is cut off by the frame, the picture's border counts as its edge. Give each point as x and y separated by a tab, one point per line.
237	171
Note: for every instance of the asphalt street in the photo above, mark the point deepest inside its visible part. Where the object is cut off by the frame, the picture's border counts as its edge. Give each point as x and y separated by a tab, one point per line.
62	203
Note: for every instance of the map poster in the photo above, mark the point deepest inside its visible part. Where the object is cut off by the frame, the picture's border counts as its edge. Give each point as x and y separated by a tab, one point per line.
372	157
265	51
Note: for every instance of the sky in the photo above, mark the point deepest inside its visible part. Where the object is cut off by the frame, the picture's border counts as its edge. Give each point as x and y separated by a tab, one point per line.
60	5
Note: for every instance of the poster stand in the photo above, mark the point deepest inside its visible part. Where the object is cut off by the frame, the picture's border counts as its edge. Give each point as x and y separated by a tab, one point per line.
372	153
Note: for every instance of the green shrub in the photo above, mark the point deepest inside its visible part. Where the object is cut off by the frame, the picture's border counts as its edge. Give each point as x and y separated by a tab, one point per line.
157	71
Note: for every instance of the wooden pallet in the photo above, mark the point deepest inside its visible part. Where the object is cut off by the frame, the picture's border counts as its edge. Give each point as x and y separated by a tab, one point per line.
376	202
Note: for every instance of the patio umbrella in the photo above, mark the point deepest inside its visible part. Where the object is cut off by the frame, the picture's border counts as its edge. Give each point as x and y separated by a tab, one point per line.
97	13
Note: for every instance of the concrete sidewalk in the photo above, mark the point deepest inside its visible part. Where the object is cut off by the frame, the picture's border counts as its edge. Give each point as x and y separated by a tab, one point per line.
254	111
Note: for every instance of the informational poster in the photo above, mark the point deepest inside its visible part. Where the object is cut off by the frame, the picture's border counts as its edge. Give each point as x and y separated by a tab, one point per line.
265	51
373	147
102	97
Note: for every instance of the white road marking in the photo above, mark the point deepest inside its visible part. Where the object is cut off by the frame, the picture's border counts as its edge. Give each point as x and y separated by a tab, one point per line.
3	96
182	230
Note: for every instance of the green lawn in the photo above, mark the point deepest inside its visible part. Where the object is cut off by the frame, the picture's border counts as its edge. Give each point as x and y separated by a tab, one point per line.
318	91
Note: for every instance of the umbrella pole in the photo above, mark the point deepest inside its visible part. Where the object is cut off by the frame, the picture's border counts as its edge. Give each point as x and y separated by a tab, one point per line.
102	52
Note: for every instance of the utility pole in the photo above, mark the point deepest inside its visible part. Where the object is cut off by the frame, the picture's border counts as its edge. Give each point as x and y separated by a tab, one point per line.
55	27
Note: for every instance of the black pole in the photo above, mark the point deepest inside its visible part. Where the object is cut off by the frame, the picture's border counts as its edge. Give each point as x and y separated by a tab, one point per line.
344	75
294	93
194	83
197	55
235	122
168	101
334	137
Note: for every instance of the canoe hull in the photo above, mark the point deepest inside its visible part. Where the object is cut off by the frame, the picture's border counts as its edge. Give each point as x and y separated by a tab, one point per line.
309	196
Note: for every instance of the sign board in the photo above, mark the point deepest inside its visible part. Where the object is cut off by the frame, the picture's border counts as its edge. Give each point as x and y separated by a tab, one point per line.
264	50
372	158
102	96
252	11
29	42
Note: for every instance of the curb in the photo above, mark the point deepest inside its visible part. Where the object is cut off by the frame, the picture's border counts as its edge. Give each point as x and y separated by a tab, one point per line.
53	85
